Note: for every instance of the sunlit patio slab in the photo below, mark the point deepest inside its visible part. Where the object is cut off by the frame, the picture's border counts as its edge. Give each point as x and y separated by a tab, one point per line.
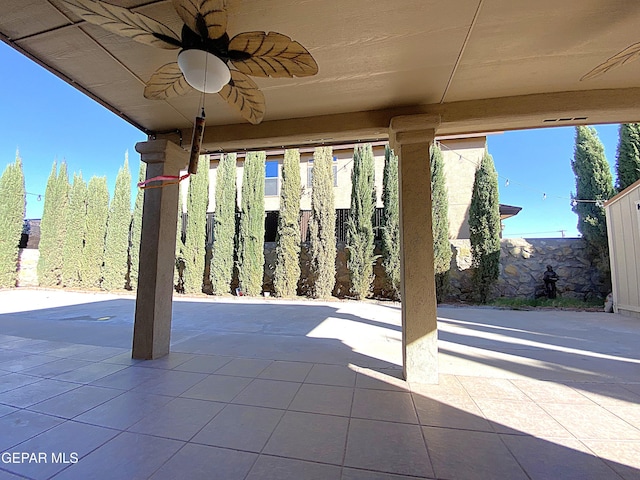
277	389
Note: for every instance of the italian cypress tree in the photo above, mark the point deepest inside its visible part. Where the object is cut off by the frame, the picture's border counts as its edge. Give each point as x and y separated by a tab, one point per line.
224	226
360	237
117	237
12	206
178	271
391	228
285	280
74	238
95	227
196	234
484	228
440	209
136	231
628	158
322	224
251	237
593	182
52	227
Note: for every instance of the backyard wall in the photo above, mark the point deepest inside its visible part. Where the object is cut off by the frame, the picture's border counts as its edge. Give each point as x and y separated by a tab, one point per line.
522	264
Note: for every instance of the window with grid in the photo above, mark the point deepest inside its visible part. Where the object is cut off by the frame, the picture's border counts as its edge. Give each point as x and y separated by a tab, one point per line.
271	178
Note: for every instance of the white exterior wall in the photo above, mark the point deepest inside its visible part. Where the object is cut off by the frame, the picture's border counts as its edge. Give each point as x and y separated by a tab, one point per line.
623	229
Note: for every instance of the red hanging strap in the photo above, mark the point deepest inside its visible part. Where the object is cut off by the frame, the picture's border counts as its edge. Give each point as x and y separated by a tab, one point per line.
164	179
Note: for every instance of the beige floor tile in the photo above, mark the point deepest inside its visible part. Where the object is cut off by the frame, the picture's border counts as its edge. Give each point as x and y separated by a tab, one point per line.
623	457
550	392
448	385
200	462
465	455
338	375
628	413
553	458
383	405
608	394
451	412
520	418
275	468
289	371
368	378
309	436
499	388
240	427
387	447
591	422
326	399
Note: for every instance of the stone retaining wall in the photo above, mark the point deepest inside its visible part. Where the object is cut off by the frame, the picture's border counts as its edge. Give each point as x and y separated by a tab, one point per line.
522	265
28	267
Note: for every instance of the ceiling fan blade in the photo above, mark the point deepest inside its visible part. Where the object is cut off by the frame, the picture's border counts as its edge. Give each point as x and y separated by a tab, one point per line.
208	18
627	55
125	23
166	82
243	94
270	55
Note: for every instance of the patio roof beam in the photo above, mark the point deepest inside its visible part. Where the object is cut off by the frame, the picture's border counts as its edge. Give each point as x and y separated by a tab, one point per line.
467	117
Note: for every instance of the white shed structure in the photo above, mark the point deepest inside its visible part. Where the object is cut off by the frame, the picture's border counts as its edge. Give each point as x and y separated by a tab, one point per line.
623	226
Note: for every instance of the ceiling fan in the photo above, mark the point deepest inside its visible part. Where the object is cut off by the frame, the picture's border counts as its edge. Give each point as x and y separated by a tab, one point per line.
627	55
206	52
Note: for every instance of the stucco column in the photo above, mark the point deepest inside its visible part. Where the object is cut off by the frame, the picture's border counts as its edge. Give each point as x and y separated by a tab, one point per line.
152	327
411	137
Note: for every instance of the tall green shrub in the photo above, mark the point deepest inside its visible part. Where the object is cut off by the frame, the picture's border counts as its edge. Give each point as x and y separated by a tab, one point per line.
391	225
95	228
52	227
196	234
224	226
628	158
287	274
74	238
440	213
594	183
178	271
322	224
251	237
117	237
136	231
12	207
484	228
360	236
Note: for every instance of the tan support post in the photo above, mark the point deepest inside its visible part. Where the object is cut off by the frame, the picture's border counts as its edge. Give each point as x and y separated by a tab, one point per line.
411	138
152	327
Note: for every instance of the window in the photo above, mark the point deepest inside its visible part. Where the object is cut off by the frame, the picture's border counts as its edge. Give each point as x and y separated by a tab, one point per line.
271	178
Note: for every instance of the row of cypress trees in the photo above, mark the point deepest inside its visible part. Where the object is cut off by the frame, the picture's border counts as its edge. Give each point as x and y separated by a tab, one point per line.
85	239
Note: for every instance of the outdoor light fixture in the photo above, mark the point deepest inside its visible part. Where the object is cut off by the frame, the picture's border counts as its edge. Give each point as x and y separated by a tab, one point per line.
203	71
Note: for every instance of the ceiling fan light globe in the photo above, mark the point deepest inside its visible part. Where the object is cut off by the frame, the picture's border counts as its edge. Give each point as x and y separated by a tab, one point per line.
203	71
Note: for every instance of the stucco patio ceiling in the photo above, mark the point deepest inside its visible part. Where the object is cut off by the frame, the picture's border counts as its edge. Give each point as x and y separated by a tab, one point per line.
479	64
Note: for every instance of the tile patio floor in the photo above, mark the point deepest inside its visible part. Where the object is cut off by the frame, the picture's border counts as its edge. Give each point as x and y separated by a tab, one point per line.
311	390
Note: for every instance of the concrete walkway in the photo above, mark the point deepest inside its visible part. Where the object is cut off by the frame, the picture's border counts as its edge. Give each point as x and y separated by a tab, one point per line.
268	389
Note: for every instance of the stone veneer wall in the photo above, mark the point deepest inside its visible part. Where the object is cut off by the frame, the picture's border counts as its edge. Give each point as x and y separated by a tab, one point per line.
523	263
28	267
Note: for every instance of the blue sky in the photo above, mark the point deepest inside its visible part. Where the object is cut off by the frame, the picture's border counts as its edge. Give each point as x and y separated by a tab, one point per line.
49	120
